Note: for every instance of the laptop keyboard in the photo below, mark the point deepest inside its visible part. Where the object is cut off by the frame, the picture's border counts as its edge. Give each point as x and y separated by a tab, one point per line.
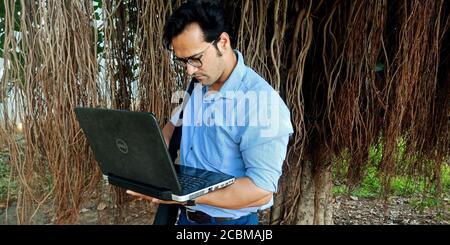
191	183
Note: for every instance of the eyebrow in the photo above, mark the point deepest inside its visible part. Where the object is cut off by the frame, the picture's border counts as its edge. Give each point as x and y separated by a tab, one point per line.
190	57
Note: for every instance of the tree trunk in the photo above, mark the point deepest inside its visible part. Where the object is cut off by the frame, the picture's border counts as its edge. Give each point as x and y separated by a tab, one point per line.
310	202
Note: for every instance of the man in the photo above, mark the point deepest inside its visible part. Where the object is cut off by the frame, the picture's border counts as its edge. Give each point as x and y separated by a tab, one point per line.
226	127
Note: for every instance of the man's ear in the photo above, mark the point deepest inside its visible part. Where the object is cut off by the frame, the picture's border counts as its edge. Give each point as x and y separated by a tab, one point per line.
224	42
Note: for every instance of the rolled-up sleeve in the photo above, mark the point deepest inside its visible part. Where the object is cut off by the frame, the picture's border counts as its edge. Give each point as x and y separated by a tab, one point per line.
264	148
264	162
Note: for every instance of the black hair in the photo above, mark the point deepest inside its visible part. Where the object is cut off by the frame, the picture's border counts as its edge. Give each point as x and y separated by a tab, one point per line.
210	15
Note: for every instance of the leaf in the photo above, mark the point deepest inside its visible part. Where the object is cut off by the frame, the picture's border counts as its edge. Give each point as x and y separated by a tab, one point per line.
17	6
379	67
97	4
97	16
100	49
2	9
17	13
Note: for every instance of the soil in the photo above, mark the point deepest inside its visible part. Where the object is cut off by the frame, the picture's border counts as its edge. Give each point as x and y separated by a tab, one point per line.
355	211
347	211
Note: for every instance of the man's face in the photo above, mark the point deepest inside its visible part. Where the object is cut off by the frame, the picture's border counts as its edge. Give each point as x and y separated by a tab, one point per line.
191	44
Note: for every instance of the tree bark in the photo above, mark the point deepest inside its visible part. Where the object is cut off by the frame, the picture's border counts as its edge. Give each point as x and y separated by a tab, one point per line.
307	204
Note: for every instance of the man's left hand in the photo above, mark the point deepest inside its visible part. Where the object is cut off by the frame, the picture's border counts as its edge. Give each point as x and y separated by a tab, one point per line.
140	196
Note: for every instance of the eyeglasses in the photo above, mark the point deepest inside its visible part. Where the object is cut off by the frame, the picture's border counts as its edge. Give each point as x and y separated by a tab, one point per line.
193	61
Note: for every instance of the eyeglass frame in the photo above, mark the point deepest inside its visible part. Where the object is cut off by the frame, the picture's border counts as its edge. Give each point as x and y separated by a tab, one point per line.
188	60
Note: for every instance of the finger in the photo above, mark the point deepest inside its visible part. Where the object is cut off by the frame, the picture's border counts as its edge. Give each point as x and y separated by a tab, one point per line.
139	196
133	193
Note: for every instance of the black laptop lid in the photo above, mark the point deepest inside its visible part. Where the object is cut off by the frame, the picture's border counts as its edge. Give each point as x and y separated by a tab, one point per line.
125	144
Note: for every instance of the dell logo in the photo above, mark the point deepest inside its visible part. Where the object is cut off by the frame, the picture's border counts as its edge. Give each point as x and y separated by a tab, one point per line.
122	146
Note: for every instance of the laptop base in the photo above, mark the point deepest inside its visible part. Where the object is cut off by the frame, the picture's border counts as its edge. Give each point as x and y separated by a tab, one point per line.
161	194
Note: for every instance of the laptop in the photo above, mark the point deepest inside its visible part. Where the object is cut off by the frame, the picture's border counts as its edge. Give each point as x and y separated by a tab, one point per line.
131	152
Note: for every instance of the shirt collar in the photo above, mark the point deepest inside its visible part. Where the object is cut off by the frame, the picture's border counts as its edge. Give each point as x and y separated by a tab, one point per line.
234	81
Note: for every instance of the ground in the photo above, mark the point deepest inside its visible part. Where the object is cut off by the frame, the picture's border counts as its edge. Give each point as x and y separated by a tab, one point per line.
348	210
352	211
96	211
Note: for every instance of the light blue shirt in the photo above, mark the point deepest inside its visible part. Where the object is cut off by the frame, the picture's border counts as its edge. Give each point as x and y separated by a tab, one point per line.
242	130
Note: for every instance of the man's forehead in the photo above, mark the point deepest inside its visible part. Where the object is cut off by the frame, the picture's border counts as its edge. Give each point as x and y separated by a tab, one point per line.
189	42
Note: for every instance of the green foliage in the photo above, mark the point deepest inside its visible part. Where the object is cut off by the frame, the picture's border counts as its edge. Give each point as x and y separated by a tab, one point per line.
4	177
2	27
17	13
420	189
339	190
340	167
375	154
370	186
445	178
406	186
379	67
100	30
423	203
5	182
401	185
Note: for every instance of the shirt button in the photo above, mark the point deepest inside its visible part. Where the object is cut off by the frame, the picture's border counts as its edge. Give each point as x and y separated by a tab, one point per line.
191	148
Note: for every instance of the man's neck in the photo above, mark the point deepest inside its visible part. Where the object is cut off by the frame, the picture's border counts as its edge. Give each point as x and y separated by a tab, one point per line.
229	67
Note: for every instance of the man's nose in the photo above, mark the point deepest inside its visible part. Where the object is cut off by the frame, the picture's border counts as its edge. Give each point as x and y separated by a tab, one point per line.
191	69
